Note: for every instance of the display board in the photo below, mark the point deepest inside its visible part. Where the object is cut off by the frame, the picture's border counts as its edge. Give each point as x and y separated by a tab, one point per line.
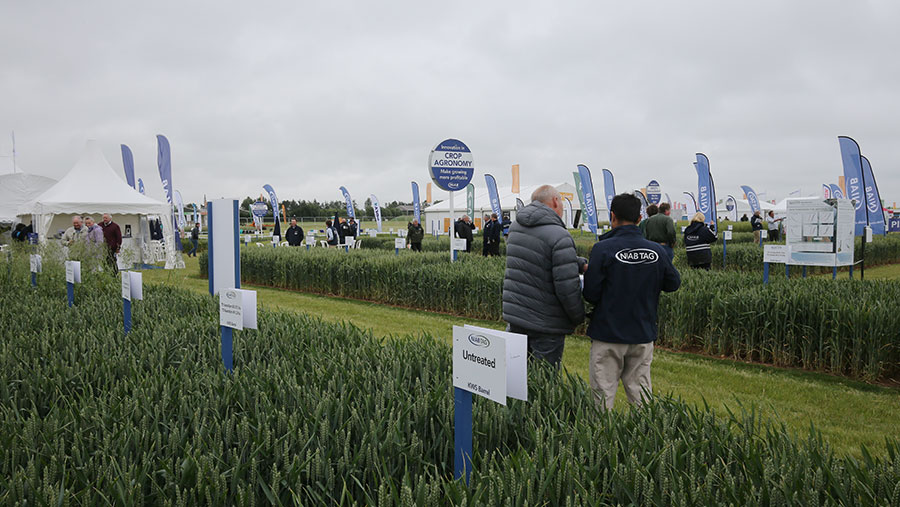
820	232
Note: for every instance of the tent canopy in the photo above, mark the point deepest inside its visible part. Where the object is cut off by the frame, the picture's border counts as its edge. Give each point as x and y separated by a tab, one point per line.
18	189
92	186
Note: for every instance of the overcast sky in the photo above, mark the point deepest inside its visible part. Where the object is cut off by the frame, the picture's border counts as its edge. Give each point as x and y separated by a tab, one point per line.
311	96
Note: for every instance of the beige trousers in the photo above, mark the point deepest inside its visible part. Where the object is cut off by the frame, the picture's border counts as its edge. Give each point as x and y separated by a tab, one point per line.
613	361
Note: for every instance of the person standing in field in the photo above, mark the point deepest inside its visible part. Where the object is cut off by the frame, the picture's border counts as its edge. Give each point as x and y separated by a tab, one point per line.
294	234
195	239
414	235
494	246
75	233
463	229
113	236
756	226
94	232
652	210
661	229
331	234
353	228
697	238
485	232
626	273
772	222
541	286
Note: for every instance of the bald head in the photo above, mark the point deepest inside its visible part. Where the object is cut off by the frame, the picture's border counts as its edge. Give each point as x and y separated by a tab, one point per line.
549	196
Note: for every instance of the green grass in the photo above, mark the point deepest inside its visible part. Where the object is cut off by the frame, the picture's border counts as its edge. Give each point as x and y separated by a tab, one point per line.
848	413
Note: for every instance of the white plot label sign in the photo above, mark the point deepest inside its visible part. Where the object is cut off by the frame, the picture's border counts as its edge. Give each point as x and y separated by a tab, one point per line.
516	361
73	271
776	254
36	266
237	308
479	363
132	285
399	243
459	243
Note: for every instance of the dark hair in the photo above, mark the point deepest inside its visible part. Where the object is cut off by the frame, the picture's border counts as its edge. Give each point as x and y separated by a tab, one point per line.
328	223
626	207
652	210
663	207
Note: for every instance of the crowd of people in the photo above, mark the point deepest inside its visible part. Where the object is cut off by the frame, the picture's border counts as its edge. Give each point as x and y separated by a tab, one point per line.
106	234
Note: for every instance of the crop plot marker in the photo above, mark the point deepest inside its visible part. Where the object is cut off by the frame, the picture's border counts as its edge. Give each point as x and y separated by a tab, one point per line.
224	269
73	276
132	289
36	268
488	363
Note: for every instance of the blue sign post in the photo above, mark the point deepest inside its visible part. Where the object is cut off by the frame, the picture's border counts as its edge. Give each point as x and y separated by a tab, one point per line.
224	266
451	168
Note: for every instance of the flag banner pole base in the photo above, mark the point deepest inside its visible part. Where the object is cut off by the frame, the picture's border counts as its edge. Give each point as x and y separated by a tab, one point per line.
462	434
70	293
228	348
126	314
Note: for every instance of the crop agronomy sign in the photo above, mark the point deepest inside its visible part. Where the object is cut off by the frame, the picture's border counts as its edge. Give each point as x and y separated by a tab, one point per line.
451	165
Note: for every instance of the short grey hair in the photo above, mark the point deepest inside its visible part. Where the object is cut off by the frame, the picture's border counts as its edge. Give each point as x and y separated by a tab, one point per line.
88	217
545	194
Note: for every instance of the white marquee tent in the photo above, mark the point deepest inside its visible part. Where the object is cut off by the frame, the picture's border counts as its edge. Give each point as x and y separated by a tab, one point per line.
93	187
17	189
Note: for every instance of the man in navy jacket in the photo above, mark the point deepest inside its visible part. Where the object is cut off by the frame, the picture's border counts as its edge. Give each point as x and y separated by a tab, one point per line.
625	275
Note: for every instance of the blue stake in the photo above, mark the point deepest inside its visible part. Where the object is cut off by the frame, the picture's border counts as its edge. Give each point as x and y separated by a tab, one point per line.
70	292
724	250
34	279
834	273
397	251
126	314
227	348
851	271
462	434
765	272
804	271
787	271
454	255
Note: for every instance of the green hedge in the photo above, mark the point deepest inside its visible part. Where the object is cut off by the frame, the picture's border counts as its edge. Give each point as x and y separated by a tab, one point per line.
840	326
318	413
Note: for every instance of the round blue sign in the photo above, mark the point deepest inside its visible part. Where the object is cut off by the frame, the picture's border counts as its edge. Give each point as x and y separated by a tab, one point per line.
450	165
653	193
259	208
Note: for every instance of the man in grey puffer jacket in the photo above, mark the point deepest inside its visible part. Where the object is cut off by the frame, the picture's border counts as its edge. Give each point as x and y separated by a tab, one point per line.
541	288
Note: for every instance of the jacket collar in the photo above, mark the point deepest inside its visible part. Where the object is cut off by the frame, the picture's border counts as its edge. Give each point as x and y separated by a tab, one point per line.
622	230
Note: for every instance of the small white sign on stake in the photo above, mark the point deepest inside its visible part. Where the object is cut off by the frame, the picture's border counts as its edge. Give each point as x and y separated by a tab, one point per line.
776	254
237	308
763	233
479	363
399	243
311	239
730	227
373	233
36	266
683	228
728	235
247	239
73	271
132	285
516	361
459	243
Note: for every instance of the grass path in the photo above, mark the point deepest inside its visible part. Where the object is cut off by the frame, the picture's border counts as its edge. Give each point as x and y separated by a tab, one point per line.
848	413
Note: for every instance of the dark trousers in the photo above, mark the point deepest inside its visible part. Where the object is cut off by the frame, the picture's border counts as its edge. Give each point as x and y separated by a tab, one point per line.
701	266
193	248
773	235
485	248
111	260
494	248
547	347
415	247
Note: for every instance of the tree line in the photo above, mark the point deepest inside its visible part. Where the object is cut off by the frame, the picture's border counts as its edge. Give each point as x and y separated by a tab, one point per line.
314	208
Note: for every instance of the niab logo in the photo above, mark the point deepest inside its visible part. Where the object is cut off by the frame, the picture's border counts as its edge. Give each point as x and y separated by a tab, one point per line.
637	256
230	295
479	340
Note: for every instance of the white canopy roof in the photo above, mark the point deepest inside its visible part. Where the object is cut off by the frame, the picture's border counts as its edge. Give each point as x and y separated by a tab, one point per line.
92	186
17	189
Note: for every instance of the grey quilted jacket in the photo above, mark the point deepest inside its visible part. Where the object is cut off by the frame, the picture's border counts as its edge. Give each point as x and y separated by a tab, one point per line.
541	289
